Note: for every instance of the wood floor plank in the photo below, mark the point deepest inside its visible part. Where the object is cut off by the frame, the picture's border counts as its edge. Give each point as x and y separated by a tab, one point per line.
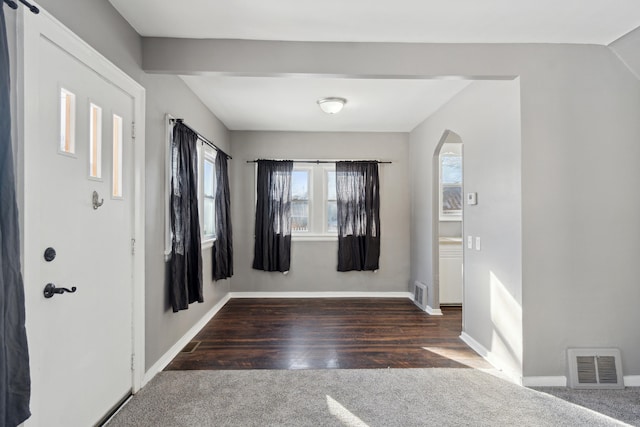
329	333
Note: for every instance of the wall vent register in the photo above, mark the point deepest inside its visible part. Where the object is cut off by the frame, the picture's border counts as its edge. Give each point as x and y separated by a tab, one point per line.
420	295
591	368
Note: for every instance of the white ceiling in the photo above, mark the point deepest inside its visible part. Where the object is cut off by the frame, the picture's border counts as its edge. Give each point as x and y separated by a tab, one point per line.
278	103
289	104
427	21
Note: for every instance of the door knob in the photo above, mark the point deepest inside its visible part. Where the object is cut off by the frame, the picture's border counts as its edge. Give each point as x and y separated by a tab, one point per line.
51	290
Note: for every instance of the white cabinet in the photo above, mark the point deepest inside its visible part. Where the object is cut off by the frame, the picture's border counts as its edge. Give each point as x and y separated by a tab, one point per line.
450	270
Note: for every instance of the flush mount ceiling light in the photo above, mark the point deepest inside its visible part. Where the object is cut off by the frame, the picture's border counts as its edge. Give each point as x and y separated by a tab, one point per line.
331	105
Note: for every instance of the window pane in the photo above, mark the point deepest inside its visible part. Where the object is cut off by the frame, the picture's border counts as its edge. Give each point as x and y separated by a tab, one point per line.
208	195
332	216
209	177
299	215
451	169
95	141
300	200
300	185
331	185
451	199
117	156
67	121
209	216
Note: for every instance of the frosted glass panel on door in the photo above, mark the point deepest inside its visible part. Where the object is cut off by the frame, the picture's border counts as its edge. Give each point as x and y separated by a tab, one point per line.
67	122
117	157
95	141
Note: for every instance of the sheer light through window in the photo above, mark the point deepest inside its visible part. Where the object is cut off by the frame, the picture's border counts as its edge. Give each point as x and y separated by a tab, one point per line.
300	200
209	197
331	202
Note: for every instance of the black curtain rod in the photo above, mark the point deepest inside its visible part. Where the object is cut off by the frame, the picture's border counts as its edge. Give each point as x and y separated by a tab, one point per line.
317	162
14	5
202	138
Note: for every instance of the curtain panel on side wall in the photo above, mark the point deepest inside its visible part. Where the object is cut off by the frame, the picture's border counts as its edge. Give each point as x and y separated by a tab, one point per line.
272	251
15	382
185	280
223	246
358	199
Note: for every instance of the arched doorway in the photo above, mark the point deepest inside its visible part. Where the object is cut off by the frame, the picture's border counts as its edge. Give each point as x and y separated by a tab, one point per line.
447	220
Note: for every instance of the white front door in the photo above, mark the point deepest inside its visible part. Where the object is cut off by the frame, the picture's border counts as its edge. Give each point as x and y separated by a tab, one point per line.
81	343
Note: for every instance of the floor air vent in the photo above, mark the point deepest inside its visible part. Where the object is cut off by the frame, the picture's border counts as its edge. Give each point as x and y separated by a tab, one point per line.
595	368
420	295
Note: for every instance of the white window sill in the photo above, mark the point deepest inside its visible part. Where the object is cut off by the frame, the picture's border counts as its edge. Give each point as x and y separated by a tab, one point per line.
207	244
314	237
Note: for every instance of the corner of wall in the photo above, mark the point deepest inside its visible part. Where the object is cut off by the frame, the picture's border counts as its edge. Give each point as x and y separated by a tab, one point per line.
627	49
507	370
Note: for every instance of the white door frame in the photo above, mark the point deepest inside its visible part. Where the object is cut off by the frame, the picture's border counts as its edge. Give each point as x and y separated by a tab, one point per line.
435	222
29	30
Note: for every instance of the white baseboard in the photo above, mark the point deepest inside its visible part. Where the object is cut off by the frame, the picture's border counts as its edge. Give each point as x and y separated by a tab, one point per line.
559	381
433	311
186	338
632	380
491	357
347	294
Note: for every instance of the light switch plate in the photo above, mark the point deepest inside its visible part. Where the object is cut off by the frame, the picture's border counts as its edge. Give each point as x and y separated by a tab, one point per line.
477	243
472	198
470	242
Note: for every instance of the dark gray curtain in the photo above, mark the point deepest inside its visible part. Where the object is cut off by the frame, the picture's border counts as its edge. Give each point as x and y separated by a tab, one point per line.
223	246
272	251
15	382
358	196
185	281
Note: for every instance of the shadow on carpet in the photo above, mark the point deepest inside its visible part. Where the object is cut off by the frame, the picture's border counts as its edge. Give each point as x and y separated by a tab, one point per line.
386	397
623	405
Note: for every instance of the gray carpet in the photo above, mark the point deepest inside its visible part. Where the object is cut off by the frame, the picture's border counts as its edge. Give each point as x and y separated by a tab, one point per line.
391	397
623	405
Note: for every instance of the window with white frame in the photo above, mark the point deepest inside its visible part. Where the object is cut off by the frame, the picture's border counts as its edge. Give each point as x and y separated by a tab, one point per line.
207	193
450	186
313	201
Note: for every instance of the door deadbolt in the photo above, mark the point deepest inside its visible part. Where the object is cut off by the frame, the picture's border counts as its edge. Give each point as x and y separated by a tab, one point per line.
49	254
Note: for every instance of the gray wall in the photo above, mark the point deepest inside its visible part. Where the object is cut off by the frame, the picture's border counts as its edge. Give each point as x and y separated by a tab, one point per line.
100	25
486	116
576	100
579	269
313	263
628	49
579	278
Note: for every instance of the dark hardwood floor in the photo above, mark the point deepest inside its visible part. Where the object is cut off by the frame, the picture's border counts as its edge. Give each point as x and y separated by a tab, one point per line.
329	333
